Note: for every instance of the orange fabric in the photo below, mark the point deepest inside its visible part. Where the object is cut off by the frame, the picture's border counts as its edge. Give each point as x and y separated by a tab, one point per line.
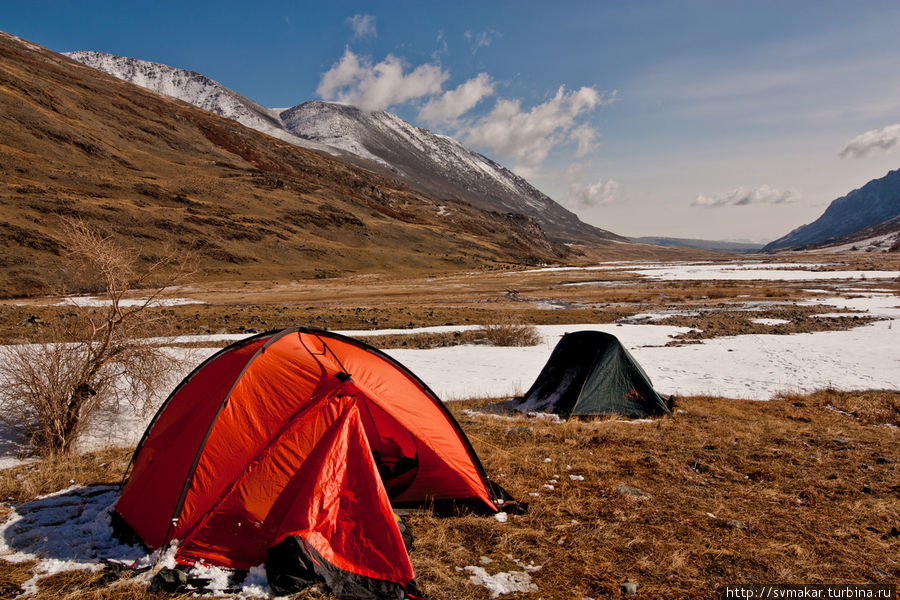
453	474
280	382
343	510
317	480
289	453
158	475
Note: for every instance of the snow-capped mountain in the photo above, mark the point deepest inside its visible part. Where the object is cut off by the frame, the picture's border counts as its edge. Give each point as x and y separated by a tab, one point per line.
874	203
193	88
436	164
427	162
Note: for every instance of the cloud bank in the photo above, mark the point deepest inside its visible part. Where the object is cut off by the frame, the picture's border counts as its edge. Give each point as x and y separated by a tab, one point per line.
452	104
762	194
357	81
581	195
875	139
522	137
527	136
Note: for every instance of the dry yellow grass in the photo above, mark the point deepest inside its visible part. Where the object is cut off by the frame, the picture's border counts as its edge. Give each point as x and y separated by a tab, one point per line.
785	491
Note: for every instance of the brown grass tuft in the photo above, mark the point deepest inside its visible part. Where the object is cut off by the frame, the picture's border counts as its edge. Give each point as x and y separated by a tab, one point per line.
509	331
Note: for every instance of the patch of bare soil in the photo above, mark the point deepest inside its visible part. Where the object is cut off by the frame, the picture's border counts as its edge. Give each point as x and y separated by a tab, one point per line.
728	322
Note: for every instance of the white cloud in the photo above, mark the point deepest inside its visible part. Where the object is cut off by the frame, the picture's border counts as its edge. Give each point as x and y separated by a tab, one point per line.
481	39
580	195
357	81
527	137
881	139
363	26
584	136
578	192
453	103
762	194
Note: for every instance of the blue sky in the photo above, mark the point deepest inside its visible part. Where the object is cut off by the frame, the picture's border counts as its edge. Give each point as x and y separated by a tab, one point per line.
709	119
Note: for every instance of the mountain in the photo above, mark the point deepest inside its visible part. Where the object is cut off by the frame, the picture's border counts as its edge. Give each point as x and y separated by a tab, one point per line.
429	163
193	88
876	202
884	237
714	245
152	171
436	164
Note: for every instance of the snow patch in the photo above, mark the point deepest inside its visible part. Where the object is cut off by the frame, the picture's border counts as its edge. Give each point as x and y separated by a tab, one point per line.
71	530
507	582
772	322
94	301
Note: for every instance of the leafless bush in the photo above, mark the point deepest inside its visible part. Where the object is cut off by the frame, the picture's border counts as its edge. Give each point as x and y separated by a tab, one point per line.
510	331
83	364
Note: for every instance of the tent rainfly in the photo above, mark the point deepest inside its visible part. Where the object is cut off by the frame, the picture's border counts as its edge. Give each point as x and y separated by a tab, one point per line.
291	448
591	373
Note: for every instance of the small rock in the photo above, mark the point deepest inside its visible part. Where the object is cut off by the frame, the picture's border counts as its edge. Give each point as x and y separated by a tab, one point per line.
629	588
735	524
867	489
881	460
631	492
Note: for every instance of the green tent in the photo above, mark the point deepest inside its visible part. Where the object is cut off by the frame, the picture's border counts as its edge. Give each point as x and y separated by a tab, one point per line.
591	373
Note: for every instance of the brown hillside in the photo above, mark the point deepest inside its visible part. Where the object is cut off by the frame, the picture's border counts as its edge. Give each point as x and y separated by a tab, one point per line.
75	142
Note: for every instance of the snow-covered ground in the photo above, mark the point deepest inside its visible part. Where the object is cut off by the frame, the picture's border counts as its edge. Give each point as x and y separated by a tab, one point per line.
94	301
717	271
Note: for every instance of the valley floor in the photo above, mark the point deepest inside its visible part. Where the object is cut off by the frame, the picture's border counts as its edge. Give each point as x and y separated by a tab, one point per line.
799	489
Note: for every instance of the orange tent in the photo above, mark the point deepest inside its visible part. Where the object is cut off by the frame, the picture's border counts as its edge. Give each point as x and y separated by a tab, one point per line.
300	435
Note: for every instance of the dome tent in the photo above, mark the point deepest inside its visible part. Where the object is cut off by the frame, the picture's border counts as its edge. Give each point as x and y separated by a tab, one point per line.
300	439
591	373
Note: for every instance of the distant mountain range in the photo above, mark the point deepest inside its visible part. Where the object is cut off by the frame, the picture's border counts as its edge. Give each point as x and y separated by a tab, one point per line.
871	208
430	163
713	245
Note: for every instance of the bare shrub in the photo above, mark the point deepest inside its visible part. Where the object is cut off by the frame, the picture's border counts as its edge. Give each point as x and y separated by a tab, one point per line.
82	365
510	331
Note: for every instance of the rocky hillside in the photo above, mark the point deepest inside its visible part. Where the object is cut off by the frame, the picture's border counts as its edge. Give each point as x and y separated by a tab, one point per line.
151	171
881	238
874	203
429	163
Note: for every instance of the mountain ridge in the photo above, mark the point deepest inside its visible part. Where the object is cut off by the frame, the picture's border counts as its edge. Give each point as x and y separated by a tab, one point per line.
714	245
431	163
875	202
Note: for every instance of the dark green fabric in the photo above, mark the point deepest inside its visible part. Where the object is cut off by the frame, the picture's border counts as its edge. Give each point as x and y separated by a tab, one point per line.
591	373
618	385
